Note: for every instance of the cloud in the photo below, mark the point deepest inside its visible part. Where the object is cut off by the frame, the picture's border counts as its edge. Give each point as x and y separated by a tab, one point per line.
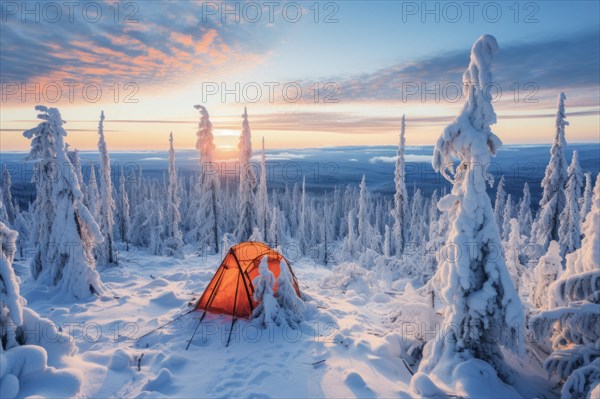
162	47
153	159
556	64
407	158
282	156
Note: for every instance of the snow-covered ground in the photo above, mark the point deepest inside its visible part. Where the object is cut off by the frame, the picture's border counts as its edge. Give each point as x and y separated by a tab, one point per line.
352	343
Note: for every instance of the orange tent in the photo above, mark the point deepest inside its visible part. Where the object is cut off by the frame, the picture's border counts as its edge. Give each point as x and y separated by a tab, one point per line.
230	290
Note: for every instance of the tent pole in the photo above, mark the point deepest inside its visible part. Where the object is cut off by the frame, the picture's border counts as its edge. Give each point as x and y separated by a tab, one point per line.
195	329
208	302
237	286
244	278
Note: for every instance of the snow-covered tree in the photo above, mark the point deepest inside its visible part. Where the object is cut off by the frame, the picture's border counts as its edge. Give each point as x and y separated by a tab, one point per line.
574	169
417	218
105	251
553	199
518	272
93	194
268	310
263	198
247	203
124	222
569	232
65	231
292	307
387	242
256	235
363	216
545	273
586	199
208	209
302	230
400	210
507	217
349	244
76	162
274	227
573	317
524	216
481	303
9	204
173	236
500	204
11	302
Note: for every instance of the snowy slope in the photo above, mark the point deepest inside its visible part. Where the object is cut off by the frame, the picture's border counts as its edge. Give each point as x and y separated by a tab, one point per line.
350	345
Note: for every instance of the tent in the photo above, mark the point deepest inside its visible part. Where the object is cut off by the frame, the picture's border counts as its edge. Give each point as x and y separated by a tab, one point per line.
230	290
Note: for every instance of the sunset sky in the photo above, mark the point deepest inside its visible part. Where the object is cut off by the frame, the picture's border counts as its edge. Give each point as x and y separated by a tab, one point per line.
375	58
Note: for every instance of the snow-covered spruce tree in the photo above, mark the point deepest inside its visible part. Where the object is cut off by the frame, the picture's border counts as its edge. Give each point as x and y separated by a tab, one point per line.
574	314
483	310
124	222
76	162
507	217
417	218
292	307
500	204
400	210
268	311
65	231
256	235
273	237
569	232
586	199
524	216
518	272
349	244
435	238
173	237
302	230
387	252
92	193
23	225
574	169
363	217
11	302
263	198
553	199
7	198
208	209
105	251
545	273
247	202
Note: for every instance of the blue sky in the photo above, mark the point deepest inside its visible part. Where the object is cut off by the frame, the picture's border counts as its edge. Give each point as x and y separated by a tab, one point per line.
372	54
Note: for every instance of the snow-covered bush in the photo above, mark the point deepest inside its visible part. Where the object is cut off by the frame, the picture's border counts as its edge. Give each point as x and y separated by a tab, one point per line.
11	302
292	307
22	361
268	310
